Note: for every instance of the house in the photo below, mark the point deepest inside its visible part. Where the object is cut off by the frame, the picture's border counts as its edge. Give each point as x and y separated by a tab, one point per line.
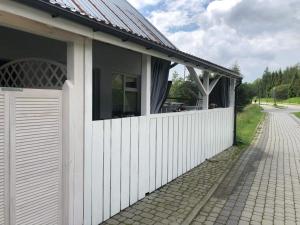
82	82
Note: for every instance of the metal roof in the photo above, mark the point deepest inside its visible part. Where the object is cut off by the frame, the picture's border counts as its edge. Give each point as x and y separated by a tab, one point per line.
119	18
117	13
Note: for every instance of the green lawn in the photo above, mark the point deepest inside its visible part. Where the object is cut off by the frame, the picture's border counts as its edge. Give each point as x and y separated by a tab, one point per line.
247	122
292	101
297	114
287	101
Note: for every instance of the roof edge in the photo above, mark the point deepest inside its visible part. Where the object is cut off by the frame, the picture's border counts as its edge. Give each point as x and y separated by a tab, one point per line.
58	11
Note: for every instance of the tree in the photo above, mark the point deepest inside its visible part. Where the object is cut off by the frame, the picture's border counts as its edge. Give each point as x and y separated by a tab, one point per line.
294	88
185	91
281	92
289	76
245	92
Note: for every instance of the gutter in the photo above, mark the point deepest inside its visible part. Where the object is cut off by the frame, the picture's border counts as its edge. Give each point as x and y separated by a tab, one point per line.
57	11
235	113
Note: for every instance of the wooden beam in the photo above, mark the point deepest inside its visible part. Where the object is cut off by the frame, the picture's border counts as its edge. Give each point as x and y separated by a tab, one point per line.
173	65
206	87
198	81
214	83
146	85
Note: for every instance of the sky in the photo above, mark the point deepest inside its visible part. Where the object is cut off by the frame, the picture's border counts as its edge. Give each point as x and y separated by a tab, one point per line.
255	34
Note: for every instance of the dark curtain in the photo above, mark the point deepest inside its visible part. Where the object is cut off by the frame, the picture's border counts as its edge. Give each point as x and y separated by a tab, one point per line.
159	83
220	94
225	94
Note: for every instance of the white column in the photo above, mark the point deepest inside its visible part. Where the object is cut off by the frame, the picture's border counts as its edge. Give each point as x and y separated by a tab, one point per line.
146	85
73	138
206	96
88	120
232	92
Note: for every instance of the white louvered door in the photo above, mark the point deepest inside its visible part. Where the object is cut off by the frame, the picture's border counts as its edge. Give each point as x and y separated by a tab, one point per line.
35	157
4	160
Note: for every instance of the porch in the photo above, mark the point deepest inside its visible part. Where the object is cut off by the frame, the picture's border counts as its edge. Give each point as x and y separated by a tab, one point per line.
131	148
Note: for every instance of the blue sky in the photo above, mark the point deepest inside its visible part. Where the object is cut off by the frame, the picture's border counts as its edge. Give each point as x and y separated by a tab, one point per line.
253	33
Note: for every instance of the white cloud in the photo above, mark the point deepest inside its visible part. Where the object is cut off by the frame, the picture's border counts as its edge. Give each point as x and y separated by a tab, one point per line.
254	33
143	3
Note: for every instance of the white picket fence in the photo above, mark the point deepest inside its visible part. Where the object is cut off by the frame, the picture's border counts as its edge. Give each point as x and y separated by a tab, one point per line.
135	156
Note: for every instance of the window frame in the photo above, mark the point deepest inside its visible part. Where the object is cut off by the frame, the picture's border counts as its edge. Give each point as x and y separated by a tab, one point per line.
125	89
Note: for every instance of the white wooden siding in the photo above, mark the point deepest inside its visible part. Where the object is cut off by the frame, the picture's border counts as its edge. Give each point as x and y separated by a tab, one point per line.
135	156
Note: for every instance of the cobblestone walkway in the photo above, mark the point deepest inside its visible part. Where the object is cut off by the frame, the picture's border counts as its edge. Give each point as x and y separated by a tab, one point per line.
264	185
173	203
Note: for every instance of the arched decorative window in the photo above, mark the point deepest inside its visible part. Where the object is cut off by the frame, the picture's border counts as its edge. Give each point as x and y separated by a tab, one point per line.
33	73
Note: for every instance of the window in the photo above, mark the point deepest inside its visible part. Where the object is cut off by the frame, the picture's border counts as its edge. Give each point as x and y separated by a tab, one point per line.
125	95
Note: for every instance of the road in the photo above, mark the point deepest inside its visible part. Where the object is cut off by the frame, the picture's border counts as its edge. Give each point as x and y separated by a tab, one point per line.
264	185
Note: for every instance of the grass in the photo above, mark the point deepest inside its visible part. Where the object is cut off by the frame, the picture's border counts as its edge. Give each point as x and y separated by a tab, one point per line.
295	101
247	122
292	100
297	114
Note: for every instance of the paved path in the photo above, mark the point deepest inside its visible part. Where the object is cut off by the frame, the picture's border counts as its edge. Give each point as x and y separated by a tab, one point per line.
174	202
264	185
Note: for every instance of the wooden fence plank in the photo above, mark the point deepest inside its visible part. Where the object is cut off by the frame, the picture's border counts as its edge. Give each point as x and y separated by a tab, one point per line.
125	163
180	145
165	136
170	148
116	166
184	144
143	157
106	169
134	160
158	173
188	144
97	173
175	148
152	154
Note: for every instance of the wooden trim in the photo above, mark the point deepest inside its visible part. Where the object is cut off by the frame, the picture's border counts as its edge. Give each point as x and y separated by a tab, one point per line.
88	134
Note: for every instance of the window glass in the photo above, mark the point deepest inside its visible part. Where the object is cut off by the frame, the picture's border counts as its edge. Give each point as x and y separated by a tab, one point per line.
131	82
117	95
125	96
131	99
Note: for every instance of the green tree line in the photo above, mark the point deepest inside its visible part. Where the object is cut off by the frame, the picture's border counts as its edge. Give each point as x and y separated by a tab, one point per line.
281	84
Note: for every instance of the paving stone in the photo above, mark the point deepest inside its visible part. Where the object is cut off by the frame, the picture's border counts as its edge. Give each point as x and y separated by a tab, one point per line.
263	185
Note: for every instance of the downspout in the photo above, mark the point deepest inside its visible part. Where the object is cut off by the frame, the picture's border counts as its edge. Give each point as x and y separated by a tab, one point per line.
235	113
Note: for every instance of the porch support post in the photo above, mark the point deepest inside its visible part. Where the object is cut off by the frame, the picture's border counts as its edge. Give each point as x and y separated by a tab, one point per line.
73	139
88	120
202	89
146	85
232	92
207	88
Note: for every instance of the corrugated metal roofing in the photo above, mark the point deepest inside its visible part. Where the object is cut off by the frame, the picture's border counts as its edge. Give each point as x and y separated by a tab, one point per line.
119	18
117	13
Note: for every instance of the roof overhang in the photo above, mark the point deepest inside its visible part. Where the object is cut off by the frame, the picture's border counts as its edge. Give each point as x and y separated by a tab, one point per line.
57	11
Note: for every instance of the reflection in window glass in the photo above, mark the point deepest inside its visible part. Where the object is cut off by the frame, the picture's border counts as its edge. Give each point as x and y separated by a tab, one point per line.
131	99
125	96
117	95
131	82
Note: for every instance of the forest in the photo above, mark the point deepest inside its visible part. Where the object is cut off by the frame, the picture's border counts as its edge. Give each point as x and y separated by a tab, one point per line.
280	84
